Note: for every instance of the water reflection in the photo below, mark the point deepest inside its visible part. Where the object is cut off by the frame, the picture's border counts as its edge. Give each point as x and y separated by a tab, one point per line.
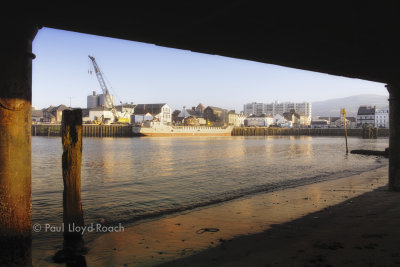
125	179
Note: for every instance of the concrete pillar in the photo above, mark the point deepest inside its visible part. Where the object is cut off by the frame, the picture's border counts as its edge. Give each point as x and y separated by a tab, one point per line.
15	144
394	136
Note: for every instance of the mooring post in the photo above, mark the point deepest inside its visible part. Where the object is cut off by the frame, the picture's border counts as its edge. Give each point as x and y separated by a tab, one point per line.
394	136
15	143
71	135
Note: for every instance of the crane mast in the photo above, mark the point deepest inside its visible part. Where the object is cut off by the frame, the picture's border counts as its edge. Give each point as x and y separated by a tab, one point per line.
103	85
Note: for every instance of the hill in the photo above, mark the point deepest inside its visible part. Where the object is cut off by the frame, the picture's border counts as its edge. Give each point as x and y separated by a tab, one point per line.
331	107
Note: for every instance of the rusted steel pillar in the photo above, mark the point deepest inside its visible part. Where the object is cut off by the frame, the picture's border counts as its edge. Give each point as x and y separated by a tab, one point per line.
15	144
394	136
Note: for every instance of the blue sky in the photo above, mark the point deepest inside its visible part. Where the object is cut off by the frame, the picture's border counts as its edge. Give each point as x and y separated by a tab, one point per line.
145	73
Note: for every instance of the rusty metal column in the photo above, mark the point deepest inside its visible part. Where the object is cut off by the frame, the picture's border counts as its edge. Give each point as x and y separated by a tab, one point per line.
394	136
15	144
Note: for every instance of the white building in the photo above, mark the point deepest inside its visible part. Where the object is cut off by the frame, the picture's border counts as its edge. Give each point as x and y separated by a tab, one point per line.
382	118
279	120
160	112
240	119
254	109
101	114
366	116
272	109
262	121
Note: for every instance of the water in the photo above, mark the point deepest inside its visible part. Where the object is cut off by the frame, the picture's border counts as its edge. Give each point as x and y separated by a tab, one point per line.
128	179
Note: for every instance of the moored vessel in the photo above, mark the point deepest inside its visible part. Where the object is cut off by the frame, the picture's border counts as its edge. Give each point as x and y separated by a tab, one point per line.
154	128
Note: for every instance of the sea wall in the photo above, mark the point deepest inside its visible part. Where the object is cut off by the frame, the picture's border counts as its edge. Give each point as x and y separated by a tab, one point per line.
92	130
261	131
88	130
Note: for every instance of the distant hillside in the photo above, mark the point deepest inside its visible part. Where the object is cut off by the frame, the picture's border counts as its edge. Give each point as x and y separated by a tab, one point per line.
331	107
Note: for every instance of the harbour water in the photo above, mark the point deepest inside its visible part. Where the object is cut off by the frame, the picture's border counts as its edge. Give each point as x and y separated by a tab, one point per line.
125	180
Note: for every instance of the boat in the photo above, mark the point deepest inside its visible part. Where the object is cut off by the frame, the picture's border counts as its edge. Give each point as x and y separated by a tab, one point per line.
155	128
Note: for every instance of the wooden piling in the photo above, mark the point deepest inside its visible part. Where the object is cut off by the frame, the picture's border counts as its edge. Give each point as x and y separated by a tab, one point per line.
71	134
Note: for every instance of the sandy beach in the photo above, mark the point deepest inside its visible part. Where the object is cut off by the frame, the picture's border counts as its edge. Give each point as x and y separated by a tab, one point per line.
362	231
335	222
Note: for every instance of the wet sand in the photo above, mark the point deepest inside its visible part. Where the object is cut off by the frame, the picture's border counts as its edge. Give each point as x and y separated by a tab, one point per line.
265	229
362	231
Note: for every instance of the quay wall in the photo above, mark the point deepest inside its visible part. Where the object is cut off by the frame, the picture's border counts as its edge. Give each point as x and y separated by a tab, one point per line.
88	130
93	130
265	131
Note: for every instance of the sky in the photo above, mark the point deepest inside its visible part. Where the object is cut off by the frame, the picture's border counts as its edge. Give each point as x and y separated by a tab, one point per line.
145	73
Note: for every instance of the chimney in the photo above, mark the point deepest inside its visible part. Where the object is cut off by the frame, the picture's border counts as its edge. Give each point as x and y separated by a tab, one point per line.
94	93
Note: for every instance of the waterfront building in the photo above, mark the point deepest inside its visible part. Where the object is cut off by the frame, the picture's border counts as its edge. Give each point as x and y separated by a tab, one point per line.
233	118
160	112
216	115
37	115
366	116
53	114
125	112
195	115
338	122
274	108
279	120
200	108
319	123
240	119
262	120
101	114
382	118
298	120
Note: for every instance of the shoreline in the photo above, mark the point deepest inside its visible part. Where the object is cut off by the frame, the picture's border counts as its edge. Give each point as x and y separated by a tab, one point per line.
362	231
176	236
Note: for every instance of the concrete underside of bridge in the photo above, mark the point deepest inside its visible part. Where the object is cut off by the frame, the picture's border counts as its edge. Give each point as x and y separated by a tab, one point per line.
351	39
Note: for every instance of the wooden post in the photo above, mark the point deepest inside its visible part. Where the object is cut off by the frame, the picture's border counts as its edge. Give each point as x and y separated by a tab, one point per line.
345	128
71	134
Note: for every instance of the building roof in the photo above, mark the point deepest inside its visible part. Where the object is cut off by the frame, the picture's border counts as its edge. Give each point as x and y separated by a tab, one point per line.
200	106
214	108
259	116
288	115
366	110
57	108
37	113
125	106
141	109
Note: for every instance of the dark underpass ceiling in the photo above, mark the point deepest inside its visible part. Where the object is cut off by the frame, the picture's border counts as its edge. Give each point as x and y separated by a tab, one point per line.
352	39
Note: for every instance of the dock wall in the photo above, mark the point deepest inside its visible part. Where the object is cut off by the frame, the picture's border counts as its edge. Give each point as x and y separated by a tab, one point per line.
265	131
93	130
90	130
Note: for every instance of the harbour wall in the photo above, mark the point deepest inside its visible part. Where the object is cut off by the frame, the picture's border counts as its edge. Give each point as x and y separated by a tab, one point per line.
92	130
265	131
88	130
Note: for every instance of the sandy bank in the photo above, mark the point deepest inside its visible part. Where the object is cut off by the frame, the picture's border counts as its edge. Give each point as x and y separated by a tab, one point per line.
363	231
178	236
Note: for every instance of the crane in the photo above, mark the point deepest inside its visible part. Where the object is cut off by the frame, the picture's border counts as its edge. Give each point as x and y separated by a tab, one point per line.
108	100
